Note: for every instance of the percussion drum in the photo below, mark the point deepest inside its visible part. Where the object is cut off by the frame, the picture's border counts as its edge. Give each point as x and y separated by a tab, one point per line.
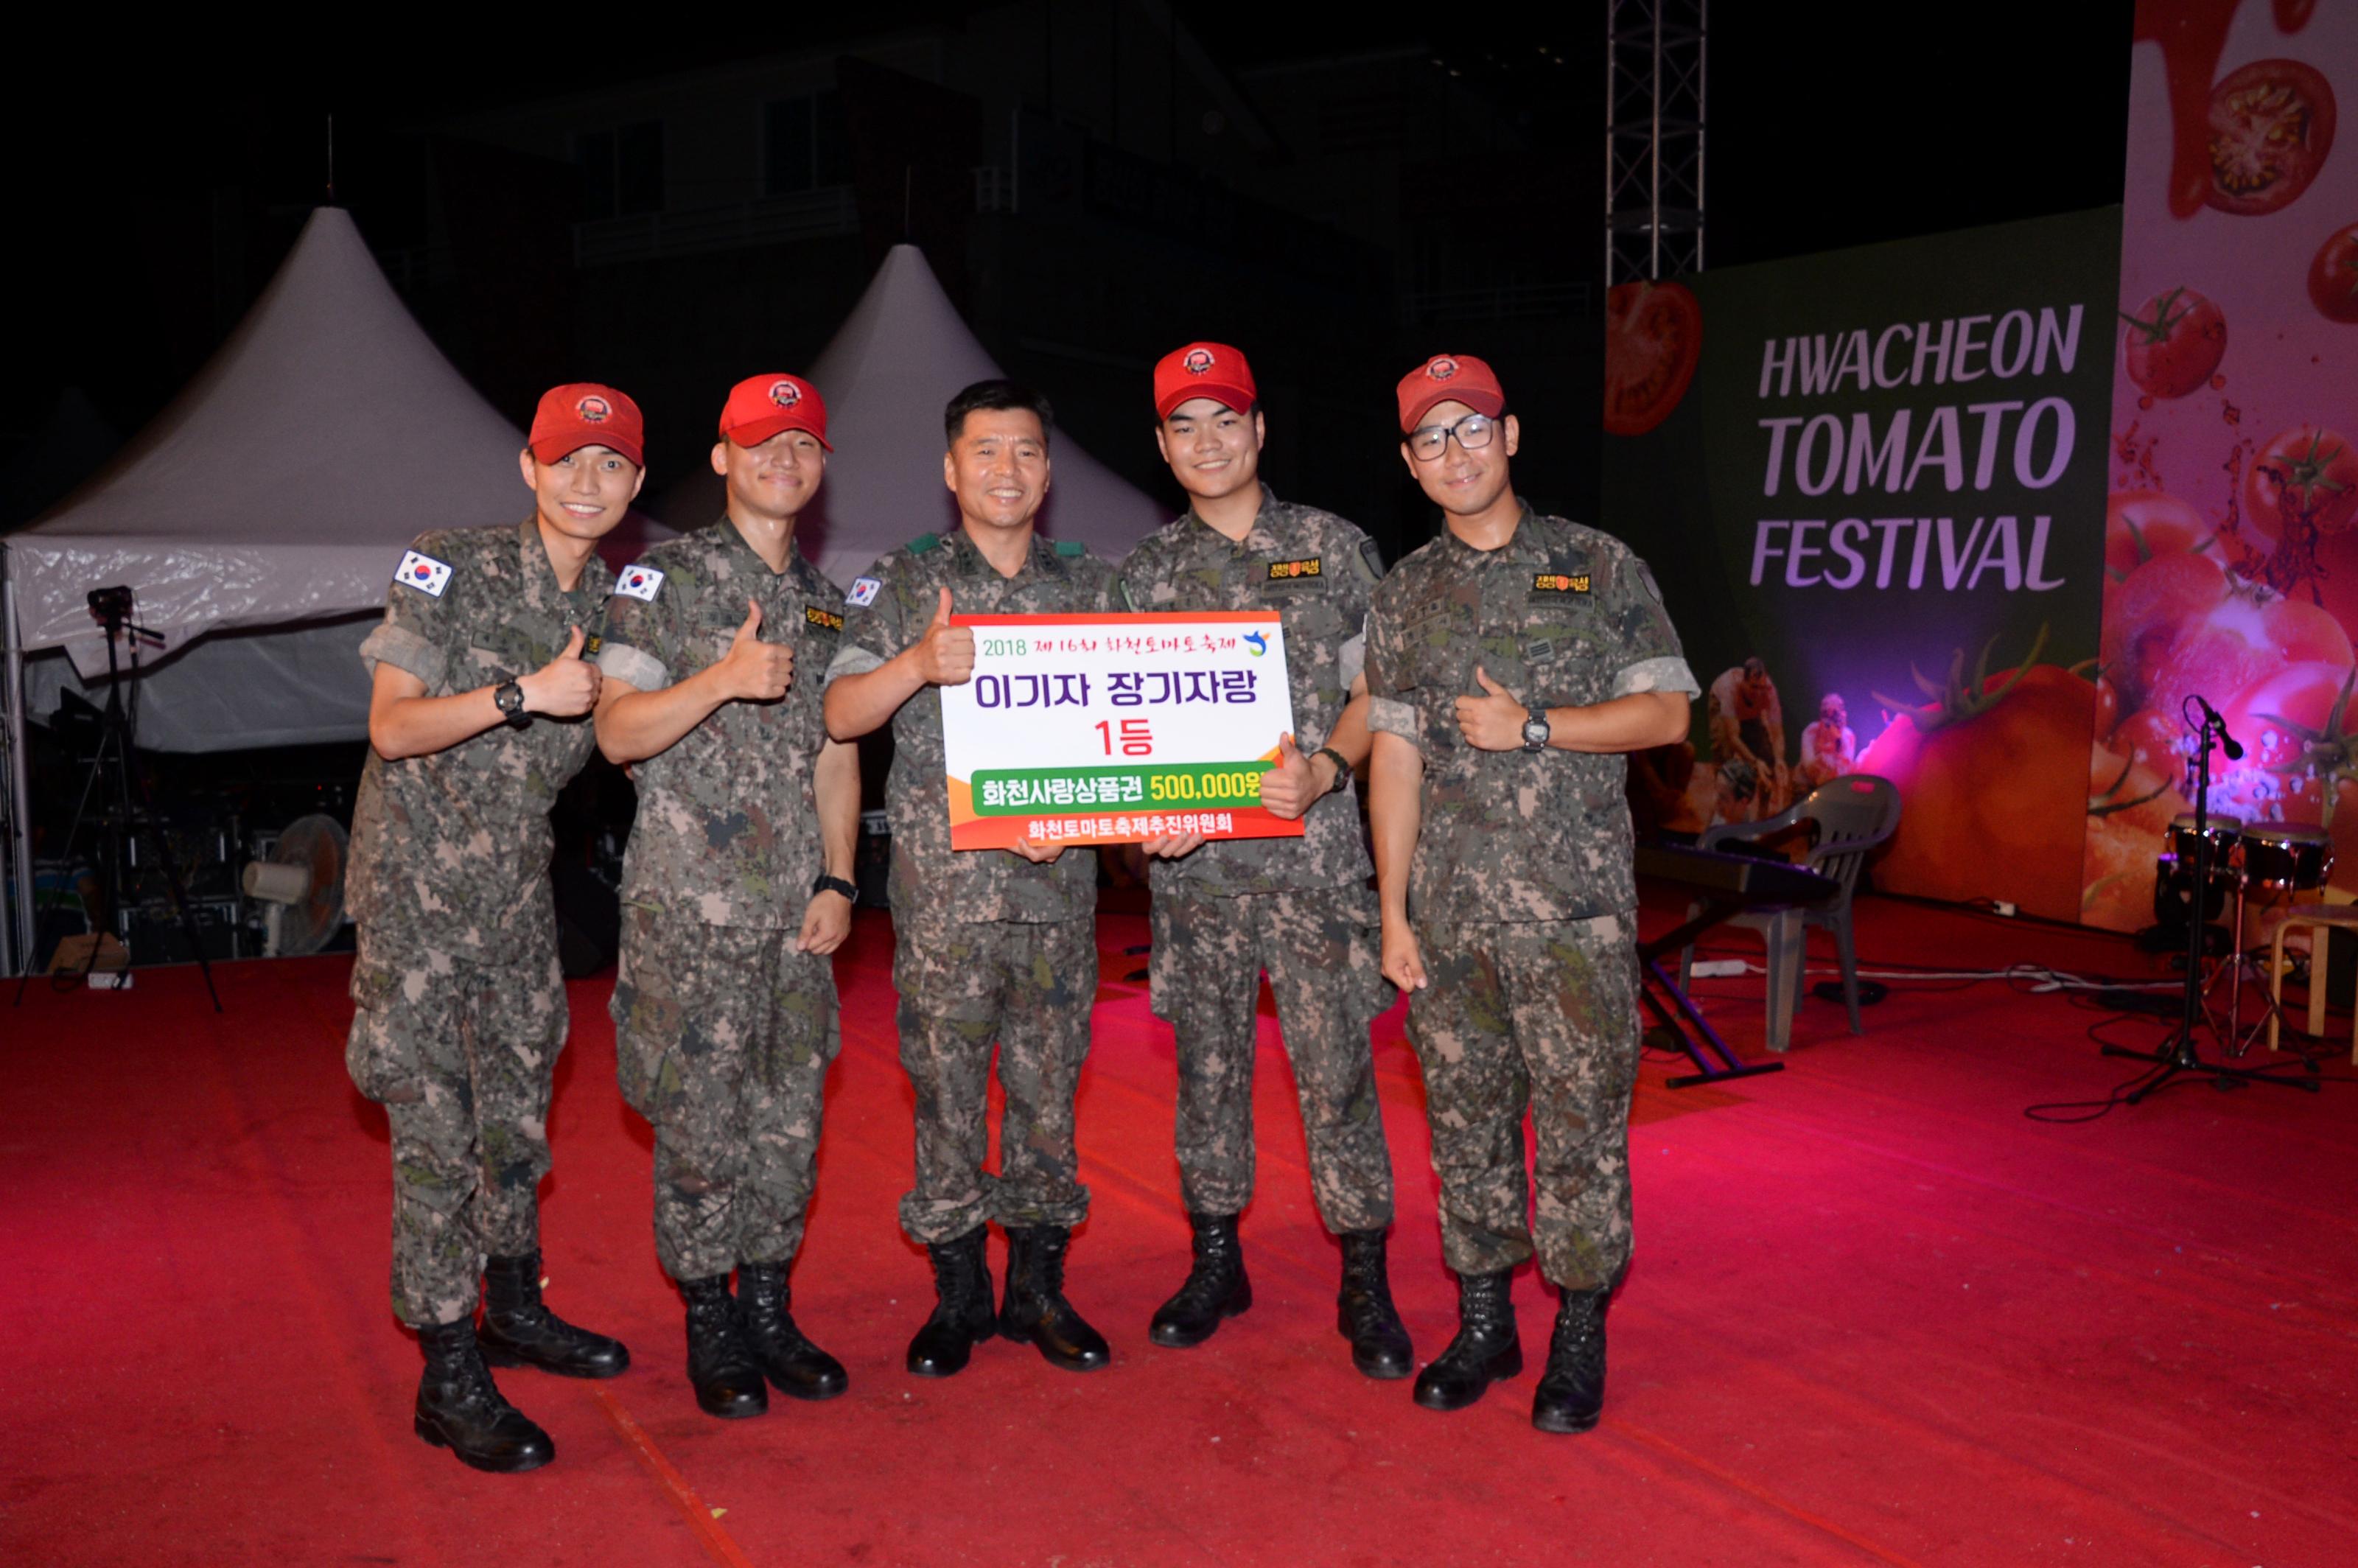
2222	832
2284	856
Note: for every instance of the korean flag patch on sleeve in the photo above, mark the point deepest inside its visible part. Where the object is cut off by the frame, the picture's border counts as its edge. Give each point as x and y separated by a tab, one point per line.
423	573
863	592
640	583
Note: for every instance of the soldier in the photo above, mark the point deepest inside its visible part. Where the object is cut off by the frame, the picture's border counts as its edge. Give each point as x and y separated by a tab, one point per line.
989	944
1300	908
1511	662
480	689
735	890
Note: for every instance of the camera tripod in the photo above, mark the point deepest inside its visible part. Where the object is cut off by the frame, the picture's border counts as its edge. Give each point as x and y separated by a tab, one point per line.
114	777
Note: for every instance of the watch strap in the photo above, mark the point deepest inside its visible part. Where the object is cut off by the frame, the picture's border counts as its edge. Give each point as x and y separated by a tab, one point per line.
836	884
1342	768
508	697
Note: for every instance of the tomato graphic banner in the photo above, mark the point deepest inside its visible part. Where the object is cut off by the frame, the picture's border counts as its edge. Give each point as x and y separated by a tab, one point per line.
1871	484
2231	529
1115	729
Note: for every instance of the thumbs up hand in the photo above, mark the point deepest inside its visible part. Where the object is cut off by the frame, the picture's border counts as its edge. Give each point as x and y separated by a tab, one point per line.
945	652
1493	721
566	686
753	670
1289	788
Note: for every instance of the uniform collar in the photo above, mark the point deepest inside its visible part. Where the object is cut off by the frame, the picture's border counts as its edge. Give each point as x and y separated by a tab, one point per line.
1525	547
1258	538
541	576
1041	560
733	542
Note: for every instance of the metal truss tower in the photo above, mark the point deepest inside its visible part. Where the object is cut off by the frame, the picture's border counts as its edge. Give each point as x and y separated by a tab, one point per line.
1653	138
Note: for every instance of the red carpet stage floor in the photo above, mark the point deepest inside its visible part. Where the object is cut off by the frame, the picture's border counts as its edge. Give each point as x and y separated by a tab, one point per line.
1876	1315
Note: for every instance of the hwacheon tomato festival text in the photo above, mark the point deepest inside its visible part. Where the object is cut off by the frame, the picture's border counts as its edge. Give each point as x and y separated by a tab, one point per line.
1115	729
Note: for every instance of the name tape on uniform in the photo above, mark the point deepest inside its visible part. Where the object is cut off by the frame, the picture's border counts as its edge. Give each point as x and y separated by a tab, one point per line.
423	573
1557	583
1285	571
863	592
640	583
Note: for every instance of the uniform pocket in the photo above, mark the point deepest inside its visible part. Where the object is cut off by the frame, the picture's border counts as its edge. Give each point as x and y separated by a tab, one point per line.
383	1052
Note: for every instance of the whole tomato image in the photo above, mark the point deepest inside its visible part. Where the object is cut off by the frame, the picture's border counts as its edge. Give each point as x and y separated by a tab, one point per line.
2140	524
1653	339
2175	343
2154	740
2334	277
2271	128
2295	727
2304	480
1993	778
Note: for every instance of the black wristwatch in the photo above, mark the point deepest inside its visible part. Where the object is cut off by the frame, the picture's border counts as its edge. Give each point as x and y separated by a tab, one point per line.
508	697
850	891
1342	768
1535	731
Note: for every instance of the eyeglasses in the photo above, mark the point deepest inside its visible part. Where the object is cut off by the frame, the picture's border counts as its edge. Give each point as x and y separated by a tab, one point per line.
1430	441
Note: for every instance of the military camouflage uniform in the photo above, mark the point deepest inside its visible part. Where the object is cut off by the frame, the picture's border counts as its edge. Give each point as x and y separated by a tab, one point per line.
988	945
460	1004
1300	908
722	1031
1521	892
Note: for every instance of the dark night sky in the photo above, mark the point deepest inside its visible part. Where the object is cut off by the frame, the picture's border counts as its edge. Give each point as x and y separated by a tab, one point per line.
1831	123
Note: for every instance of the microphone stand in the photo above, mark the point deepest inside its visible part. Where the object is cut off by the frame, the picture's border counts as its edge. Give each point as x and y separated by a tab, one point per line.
2179	1054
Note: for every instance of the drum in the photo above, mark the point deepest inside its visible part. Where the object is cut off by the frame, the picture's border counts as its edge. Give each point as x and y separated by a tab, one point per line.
2286	855
2222	832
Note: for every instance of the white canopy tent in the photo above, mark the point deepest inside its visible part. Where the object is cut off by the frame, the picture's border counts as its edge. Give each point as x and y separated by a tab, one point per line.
257	519
892	366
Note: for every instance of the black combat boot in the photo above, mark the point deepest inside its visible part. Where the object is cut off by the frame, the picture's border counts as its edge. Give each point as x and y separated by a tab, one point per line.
1364	1312
460	1407
1572	1393
720	1364
520	1332
1036	1312
794	1364
962	1315
1215	1286
1486	1347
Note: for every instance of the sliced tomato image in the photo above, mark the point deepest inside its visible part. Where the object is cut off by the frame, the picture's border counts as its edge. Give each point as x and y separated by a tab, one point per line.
1993	777
2144	615
2179	626
2174	343
2295	724
2304	480
2271	128
1653	339
2334	277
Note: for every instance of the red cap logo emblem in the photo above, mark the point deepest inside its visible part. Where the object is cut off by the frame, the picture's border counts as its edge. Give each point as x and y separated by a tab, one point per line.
785	393
593	410
1199	361
1442	369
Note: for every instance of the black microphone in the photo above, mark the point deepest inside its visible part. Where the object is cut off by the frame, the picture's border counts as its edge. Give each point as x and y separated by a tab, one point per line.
2227	743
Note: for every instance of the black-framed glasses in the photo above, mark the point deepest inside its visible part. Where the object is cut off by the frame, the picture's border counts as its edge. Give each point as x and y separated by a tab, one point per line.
1428	442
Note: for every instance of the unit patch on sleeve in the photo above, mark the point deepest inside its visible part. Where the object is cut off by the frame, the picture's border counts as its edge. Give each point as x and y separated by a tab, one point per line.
1557	583
825	620
1286	571
863	592
423	573
639	582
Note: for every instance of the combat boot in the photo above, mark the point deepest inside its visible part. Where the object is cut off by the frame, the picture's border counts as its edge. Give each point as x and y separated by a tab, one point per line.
1486	1347
520	1332
962	1314
720	1364
1215	1286
1036	1313
796	1367
1571	1393
460	1407
1364	1312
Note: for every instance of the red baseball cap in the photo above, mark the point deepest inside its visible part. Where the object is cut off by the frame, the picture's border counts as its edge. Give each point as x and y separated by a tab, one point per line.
1203	370
1450	378
583	414
760	405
